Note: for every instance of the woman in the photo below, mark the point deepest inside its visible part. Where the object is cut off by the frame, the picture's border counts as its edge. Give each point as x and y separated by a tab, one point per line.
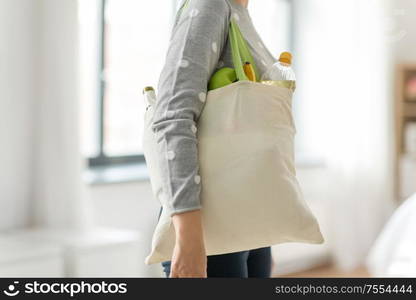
199	46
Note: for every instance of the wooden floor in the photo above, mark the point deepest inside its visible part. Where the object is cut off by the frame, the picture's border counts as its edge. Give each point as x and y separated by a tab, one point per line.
330	271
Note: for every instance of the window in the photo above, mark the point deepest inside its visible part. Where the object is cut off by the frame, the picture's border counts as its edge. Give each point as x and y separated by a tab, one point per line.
123	47
127	41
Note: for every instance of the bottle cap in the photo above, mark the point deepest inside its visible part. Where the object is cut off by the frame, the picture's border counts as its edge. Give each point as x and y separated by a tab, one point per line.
147	89
286	57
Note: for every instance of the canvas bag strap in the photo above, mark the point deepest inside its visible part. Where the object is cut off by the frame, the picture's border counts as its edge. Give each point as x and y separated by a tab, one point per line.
239	48
240	52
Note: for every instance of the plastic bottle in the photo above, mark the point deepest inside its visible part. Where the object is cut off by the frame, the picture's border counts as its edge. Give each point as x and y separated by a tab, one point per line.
281	72
149	96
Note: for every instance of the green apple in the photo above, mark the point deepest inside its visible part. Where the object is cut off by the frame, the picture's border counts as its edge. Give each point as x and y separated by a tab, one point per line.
222	77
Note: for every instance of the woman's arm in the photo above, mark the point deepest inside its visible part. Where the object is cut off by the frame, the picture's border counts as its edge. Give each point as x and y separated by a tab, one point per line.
194	50
197	41
189	258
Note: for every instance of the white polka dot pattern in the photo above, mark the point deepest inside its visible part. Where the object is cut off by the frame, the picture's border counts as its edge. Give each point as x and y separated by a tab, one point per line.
184	63
194	12
202	97
170	155
170	114
236	16
193	128
197	179
214	47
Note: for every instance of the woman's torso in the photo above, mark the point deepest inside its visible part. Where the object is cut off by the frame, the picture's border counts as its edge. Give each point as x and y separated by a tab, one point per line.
261	55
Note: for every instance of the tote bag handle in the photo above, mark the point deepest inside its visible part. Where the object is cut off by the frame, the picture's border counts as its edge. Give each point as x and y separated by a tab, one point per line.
239	49
240	52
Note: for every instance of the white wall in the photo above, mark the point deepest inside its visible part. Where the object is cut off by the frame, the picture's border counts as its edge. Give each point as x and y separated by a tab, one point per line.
128	206
125	205
39	154
18	53
58	189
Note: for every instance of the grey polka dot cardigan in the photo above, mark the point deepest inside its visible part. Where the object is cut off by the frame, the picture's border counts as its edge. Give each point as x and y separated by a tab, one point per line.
198	47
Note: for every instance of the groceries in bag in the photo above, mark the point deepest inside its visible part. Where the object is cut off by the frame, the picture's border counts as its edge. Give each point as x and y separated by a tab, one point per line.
149	96
221	78
281	73
249	70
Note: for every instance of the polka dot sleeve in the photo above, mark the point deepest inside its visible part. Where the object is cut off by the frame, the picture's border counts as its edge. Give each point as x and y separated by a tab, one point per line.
197	41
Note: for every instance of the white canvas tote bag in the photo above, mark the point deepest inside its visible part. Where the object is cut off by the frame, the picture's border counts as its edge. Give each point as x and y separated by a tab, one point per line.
250	195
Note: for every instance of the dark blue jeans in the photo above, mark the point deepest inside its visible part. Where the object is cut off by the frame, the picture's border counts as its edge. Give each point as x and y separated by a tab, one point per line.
243	264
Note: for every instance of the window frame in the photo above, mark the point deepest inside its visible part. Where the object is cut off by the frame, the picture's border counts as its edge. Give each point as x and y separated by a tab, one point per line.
101	159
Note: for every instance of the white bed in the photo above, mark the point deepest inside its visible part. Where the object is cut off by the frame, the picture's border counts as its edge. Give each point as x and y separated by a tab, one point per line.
394	252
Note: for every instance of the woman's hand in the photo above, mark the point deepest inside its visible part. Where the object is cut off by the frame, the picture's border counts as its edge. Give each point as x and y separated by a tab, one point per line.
189	258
